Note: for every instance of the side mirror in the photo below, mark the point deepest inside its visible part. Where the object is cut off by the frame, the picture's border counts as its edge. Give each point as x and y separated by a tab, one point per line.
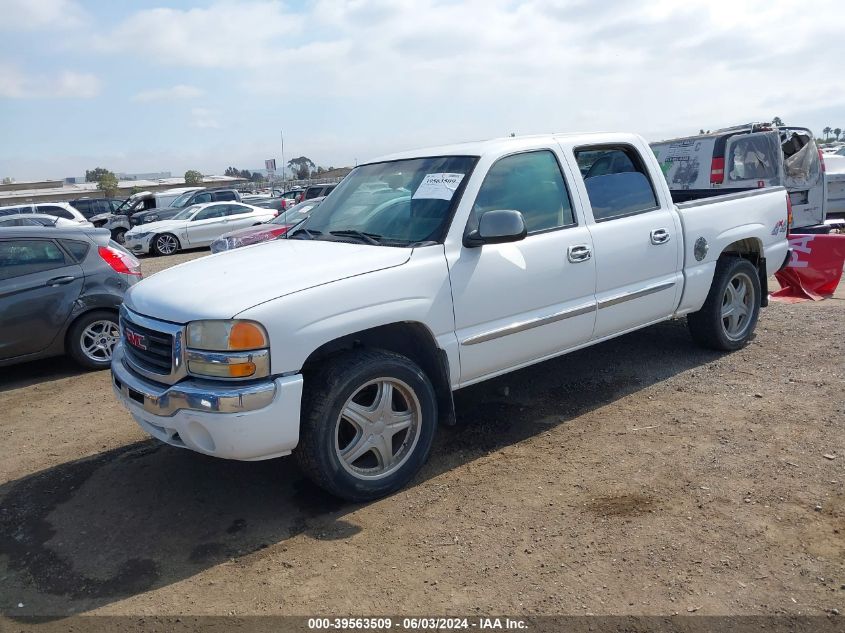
497	227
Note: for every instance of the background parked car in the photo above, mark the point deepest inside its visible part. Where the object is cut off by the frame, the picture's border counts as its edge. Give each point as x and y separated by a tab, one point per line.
35	219
271	230
187	199
60	289
316	191
198	225
90	207
55	209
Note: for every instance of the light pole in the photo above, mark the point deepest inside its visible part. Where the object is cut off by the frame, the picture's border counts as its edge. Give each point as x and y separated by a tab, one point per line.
282	136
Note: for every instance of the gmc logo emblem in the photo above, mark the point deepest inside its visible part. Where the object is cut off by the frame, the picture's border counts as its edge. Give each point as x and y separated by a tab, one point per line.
135	339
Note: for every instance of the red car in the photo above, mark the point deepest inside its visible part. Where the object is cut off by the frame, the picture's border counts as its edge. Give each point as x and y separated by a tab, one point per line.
271	230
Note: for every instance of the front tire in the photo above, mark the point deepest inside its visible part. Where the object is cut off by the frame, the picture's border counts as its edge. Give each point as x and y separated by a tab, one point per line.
368	423
119	236
92	338
727	319
164	244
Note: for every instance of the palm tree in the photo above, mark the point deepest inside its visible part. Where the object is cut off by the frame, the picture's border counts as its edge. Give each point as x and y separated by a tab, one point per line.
827	132
837	132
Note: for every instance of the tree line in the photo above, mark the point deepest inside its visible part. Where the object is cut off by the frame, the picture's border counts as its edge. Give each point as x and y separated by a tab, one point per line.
301	168
108	183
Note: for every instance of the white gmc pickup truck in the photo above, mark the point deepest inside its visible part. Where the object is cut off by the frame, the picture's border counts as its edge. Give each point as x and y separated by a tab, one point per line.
424	272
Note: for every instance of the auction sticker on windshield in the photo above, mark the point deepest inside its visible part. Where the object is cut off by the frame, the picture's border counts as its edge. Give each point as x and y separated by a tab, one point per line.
438	186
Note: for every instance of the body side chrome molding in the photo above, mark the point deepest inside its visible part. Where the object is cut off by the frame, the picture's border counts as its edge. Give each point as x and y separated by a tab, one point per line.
530	324
635	294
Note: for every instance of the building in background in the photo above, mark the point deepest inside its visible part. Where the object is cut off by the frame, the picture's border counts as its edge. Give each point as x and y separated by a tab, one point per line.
58	190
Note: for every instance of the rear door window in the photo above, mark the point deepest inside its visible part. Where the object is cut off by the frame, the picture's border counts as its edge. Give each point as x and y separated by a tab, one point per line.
237	209
47	209
24	257
224	195
617	181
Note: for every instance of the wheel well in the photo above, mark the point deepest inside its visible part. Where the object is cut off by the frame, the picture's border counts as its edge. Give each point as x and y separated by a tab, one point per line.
412	340
751	249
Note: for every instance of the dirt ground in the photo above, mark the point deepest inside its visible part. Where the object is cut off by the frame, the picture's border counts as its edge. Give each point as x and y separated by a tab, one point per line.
641	476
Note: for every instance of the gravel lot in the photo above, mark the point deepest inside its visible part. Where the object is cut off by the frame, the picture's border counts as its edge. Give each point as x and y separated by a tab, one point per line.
642	476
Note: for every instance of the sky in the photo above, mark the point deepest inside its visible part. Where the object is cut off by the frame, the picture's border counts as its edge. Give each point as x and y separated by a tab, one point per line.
169	85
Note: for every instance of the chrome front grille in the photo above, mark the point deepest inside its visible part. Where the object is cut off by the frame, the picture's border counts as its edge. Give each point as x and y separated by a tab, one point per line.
153	349
158	355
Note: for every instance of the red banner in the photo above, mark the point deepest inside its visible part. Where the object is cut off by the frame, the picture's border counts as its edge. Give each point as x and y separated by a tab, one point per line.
814	270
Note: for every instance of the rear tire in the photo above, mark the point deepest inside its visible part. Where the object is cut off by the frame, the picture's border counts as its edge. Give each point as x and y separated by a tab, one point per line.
727	319
164	244
368	423
92	337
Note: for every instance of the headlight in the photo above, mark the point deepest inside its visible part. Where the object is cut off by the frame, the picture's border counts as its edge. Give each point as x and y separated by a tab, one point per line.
227	336
137	236
228	349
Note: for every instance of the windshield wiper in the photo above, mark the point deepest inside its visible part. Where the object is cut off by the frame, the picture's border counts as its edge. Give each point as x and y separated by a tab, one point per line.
311	234
369	238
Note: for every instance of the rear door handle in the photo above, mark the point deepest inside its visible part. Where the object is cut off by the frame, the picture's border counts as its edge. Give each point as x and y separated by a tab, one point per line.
578	253
659	236
59	281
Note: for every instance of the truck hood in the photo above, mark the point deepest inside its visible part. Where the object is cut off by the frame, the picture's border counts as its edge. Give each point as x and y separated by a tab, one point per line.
223	285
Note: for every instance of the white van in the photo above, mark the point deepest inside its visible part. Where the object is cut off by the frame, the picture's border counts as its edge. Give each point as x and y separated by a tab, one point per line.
748	157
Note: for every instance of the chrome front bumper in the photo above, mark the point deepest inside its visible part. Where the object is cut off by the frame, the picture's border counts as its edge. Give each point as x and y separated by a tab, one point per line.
239	421
137	245
192	395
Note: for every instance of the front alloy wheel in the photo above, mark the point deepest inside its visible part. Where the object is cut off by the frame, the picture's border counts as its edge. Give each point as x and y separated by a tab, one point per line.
368	423
165	244
378	428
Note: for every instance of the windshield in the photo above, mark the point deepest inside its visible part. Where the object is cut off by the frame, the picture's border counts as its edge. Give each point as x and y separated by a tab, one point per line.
182	199
394	203
187	213
295	214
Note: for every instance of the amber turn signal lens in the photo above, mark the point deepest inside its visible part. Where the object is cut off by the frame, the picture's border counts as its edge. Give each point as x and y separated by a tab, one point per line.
221	370
241	370
245	335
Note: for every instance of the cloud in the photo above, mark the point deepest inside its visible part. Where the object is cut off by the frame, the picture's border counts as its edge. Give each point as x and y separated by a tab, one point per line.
204	118
174	93
225	35
33	15
17	84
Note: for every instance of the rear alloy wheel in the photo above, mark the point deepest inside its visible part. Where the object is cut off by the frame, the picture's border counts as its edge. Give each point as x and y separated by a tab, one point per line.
91	340
368	423
727	319
165	244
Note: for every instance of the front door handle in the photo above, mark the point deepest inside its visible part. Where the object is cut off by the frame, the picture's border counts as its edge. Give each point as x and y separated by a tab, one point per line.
659	236
579	253
59	281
